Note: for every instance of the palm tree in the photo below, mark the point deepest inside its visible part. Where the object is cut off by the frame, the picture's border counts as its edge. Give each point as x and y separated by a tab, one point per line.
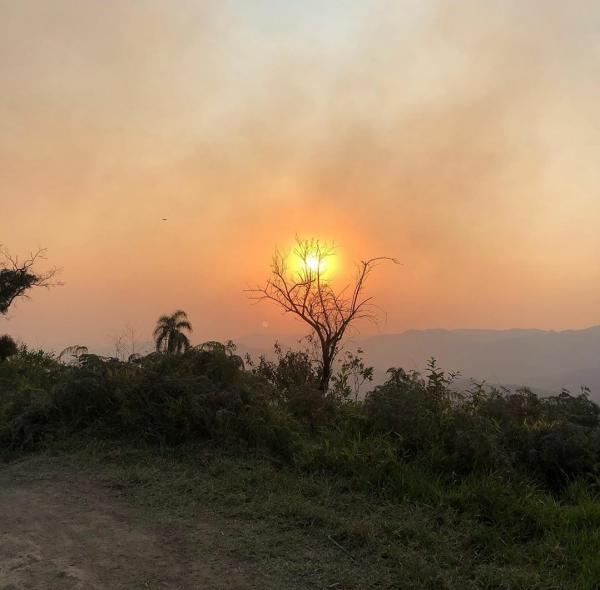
168	334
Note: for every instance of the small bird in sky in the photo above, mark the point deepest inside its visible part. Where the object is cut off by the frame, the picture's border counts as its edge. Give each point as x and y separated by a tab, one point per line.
164	219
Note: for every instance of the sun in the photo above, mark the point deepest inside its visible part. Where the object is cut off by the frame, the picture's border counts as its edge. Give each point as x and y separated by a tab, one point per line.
314	264
313	259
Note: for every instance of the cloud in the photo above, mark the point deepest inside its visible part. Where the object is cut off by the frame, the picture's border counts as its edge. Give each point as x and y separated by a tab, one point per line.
459	137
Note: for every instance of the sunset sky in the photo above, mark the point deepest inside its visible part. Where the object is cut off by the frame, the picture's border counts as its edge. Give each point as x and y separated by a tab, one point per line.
461	137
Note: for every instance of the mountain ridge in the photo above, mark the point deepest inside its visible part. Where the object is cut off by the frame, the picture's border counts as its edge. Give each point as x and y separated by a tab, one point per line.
543	359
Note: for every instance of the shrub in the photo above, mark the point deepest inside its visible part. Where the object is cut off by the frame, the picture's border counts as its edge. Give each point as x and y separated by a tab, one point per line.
24	418
81	403
175	409
8	347
409	409
555	439
291	369
207	393
565	453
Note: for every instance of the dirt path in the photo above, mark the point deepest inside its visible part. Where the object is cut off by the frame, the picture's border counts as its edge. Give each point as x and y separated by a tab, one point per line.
60	531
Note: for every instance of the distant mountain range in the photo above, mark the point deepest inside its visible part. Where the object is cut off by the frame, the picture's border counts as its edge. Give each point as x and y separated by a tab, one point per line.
541	359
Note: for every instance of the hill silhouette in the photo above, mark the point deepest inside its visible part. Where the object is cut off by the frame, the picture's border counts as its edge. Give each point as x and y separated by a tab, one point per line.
545	360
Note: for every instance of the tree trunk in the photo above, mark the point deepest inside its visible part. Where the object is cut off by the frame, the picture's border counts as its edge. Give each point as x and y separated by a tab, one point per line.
326	372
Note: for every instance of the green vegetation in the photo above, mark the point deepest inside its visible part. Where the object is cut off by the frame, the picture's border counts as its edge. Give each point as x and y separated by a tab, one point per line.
417	486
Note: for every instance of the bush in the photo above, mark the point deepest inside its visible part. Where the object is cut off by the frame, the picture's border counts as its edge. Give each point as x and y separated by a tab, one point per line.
8	347
405	409
206	393
82	402
175	409
290	370
565	453
516	467
24	419
555	439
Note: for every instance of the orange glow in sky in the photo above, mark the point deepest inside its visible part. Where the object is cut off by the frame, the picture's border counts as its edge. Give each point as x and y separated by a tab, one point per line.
162	151
312	263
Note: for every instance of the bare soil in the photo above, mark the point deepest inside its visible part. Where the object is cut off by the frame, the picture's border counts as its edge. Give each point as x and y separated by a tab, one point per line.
60	529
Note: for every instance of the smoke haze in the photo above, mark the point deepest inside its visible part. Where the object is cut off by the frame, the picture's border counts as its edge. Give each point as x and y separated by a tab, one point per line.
461	138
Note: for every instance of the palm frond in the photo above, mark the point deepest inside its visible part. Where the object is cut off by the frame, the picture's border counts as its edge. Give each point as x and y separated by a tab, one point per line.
168	335
184	325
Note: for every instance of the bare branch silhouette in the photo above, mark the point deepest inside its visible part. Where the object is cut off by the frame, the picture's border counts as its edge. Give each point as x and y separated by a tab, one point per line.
18	276
305	292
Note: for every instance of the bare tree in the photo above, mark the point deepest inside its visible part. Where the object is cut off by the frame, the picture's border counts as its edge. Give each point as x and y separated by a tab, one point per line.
299	285
17	276
131	333
120	344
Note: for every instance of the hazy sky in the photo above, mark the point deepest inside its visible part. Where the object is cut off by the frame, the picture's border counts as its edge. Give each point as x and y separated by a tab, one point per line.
462	137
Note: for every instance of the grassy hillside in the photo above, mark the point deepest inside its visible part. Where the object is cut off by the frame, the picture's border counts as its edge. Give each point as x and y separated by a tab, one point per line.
416	487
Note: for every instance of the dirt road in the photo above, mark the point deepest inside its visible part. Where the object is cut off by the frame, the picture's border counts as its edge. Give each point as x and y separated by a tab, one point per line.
59	530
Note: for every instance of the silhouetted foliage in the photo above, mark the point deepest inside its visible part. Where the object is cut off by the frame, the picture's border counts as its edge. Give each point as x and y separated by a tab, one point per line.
352	376
522	471
8	347
169	335
72	354
290	369
307	293
17	277
206	392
